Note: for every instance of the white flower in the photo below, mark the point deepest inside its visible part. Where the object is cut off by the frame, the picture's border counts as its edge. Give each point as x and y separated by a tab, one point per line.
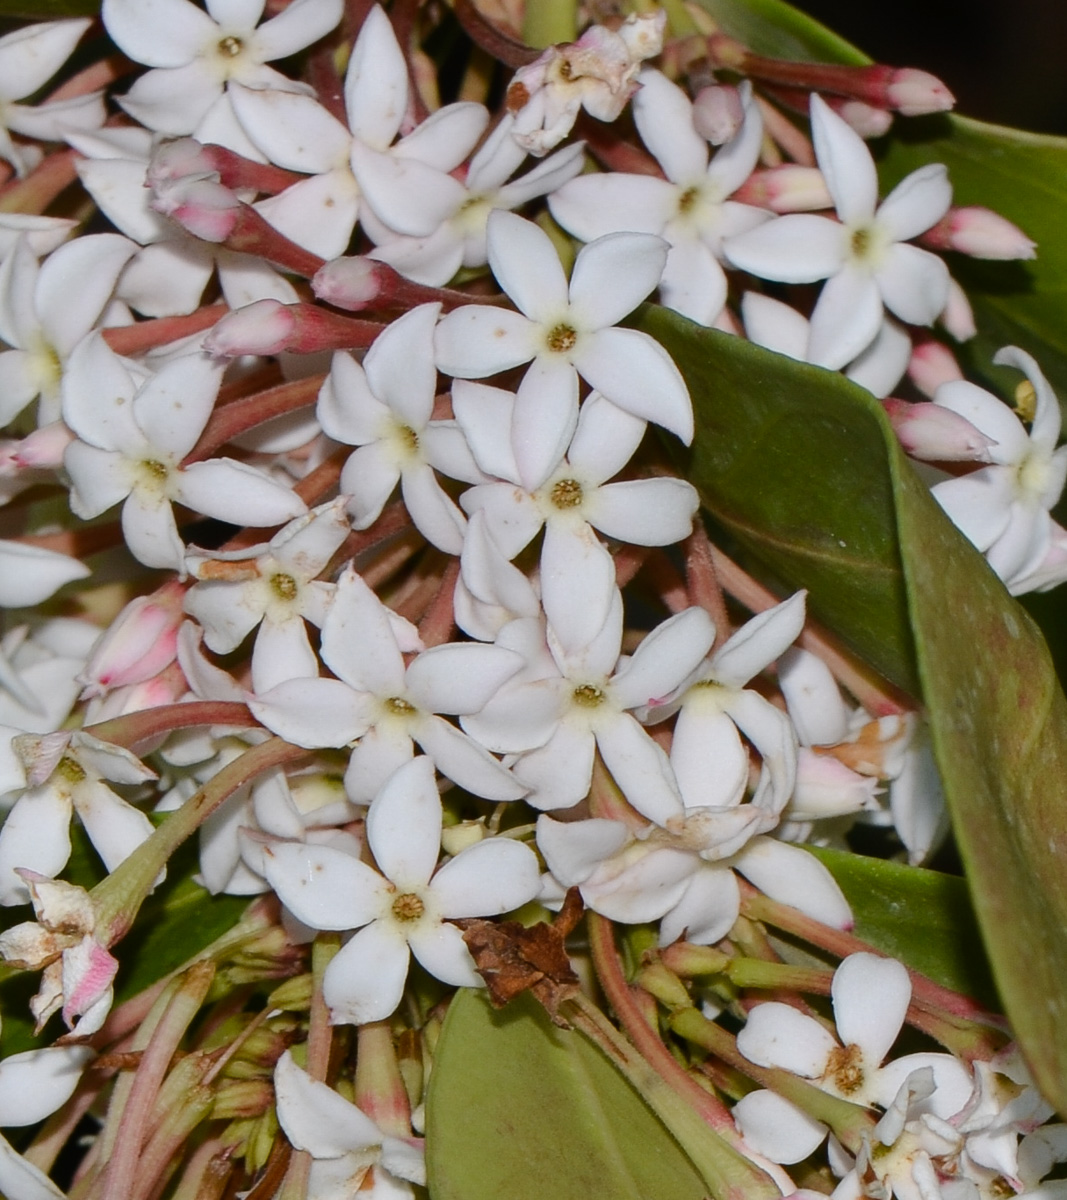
273	586
690	208
870	997
1003	508
405	909
567	329
389	704
384	408
133	434
348	1149
29	57
865	257
196	53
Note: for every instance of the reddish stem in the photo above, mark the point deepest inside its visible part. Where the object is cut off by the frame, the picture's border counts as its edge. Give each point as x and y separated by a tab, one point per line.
146	335
495	42
133	728
239	416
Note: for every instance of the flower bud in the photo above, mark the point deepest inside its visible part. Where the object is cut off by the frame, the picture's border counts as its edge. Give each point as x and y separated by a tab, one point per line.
142	640
912	93
718	113
936	434
866	119
958	317
932	364
981	233
788	188
263	327
349	283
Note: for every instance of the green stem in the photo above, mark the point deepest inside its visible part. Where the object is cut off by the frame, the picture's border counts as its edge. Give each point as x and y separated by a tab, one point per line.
119	897
546	22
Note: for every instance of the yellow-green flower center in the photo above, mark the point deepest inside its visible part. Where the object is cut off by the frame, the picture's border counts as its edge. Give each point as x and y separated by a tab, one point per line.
408	907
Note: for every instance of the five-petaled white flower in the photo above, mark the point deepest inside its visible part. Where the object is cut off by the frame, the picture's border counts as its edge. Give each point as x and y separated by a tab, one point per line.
406	908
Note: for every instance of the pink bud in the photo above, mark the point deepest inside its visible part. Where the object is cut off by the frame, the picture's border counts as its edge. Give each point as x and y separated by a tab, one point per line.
932	364
263	327
787	188
179	159
349	283
142	640
718	113
202	207
912	92
43	449
936	434
867	120
981	233
958	317
88	972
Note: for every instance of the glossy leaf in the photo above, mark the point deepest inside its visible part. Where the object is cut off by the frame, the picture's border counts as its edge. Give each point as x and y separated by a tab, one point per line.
924	918
804	468
521	1109
782	458
48	10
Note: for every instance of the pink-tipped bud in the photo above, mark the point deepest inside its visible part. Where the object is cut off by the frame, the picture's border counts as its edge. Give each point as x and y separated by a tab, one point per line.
718	113
142	640
269	327
912	93
183	158
936	434
981	233
788	188
202	207
867	120
43	449
167	687
350	283
932	364
958	316
262	327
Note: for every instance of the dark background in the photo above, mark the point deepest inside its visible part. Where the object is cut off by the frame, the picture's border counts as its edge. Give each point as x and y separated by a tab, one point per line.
1005	60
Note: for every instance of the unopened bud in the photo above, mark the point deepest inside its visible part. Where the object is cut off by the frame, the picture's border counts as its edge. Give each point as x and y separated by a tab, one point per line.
294	995
262	327
958	316
237	1098
932	364
142	640
43	449
981	233
718	113
936	434
202	207
912	93
789	188
349	283
179	159
867	120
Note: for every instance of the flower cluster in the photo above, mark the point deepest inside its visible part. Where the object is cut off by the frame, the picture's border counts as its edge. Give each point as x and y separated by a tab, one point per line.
483	656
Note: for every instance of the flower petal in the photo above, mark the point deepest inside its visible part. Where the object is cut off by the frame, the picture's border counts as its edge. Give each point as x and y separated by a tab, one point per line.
323	887
404	825
365	981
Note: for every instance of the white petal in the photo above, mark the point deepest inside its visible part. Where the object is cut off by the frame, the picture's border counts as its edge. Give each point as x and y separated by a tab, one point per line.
613	275
365	981
558	773
663	114
846	164
759	642
491	877
526	266
443	952
643	890
406	194
593	205
574	849
777	1035
633	371
605	440
482	339
151	533
376	83
160	33
577	584
772	733
664	658
316	1118
446	137
707	911
433	512
914	284
846	318
21	1179
313	712
76	282
358	642
174	405
774	325
793	876
291	129
296	26
918	201
459	678
323	887
462	760
871	996
774	1127
30	574
173	100
404	825
233	491
282	652
645	512
399	365
543	418
35	1083
641	769
799	248
978	504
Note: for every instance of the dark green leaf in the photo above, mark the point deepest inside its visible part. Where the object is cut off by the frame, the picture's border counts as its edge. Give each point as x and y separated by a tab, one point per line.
797	461
782	459
778	30
520	1109
922	917
47	10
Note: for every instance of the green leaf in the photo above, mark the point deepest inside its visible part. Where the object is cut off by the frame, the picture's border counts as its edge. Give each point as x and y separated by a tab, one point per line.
781	459
797	461
47	10
778	30
922	917
520	1109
